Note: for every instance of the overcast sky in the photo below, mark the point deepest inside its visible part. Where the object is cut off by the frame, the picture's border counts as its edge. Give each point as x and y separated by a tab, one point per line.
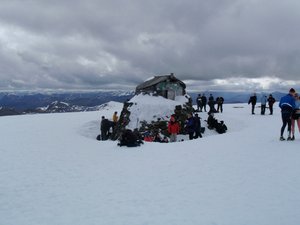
117	44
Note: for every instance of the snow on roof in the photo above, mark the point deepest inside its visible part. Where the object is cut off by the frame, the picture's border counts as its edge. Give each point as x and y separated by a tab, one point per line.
158	79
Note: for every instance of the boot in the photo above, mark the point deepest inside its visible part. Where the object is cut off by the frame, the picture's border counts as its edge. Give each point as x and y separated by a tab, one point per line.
282	138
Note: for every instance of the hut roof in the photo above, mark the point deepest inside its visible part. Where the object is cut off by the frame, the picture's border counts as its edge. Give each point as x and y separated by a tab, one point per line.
158	79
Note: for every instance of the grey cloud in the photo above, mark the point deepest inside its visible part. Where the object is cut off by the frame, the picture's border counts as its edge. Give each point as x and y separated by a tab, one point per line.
100	44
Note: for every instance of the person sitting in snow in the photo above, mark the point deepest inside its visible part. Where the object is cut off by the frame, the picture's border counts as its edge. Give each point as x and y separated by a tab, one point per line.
211	121
148	137
165	140
138	134
221	127
129	139
157	138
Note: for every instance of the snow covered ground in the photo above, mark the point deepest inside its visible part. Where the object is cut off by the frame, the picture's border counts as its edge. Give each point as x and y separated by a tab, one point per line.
54	172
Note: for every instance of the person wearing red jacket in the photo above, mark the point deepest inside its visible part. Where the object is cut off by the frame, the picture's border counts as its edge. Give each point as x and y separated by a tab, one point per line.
173	129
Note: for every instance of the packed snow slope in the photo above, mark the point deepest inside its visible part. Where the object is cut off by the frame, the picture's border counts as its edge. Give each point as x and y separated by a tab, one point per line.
54	172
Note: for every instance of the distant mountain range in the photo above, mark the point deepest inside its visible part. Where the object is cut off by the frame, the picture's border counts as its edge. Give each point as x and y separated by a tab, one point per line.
22	103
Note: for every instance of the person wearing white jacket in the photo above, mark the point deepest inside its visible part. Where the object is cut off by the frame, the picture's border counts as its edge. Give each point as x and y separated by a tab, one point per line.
263	101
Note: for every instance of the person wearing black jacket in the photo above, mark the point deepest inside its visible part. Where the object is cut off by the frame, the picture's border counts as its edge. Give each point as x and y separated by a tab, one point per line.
252	100
220	101
197	125
104	127
271	100
204	102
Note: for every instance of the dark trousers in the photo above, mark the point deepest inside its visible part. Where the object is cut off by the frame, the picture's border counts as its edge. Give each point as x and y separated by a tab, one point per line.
197	134
199	107
271	109
253	107
263	109
191	135
286	120
104	134
220	108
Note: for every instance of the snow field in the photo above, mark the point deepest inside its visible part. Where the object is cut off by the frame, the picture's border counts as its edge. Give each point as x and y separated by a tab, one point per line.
54	172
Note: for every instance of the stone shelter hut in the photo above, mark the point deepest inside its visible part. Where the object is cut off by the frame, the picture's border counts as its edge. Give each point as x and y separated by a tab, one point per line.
167	86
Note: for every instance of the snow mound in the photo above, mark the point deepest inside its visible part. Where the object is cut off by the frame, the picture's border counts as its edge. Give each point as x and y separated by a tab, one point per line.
110	105
149	108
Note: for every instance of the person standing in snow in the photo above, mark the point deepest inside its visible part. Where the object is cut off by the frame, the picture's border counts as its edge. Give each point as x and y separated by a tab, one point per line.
271	101
104	127
296	116
197	126
173	129
287	105
211	103
190	126
115	119
204	102
220	101
199	103
263	101
252	100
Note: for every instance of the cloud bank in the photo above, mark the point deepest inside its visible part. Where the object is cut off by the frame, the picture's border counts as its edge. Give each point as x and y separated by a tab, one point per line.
216	44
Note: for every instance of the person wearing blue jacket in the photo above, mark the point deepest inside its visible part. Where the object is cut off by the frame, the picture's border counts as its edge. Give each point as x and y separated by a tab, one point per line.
190	126
287	105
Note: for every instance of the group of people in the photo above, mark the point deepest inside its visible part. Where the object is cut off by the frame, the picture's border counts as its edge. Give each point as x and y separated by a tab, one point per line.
290	113
155	138
213	123
202	101
264	100
192	127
